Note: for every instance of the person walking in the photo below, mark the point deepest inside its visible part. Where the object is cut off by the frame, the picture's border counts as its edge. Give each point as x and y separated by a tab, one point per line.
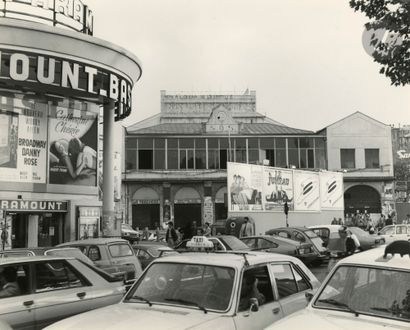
207	229
171	236
246	228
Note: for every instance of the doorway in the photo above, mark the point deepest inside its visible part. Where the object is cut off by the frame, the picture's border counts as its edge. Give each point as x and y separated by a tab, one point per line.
184	217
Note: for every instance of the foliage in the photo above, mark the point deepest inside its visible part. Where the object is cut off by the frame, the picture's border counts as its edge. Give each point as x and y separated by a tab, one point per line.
392	50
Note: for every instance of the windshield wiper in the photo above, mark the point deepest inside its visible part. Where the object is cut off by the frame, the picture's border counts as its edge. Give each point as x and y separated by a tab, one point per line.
142	299
339	304
187	302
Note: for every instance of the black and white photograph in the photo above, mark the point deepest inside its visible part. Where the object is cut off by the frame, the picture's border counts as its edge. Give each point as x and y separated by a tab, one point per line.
204	164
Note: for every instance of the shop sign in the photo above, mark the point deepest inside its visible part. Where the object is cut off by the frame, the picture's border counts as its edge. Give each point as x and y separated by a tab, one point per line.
403	154
401	186
146	201
72	14
25	205
52	74
187	201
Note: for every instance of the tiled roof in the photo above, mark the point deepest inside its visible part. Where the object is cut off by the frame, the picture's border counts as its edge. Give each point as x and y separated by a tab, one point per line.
198	129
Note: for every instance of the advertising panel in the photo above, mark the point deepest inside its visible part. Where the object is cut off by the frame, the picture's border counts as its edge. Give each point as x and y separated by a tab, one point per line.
306	191
277	188
244	187
23	139
73	138
331	190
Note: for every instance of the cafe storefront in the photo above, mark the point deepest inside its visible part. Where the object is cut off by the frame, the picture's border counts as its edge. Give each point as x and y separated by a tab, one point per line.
57	83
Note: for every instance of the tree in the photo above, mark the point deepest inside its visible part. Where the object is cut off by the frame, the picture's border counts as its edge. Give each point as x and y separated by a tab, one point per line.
389	30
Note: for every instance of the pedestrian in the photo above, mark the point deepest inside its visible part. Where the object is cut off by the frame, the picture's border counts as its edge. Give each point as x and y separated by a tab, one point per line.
334	221
145	234
171	236
246	228
407	220
340	221
207	229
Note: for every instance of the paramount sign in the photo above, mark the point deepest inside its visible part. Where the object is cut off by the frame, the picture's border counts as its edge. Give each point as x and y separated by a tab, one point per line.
25	205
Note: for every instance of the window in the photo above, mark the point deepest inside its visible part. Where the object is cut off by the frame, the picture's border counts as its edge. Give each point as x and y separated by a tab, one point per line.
256	283
285	281
56	275
280	147
200	154
283	234
15	273
347	158
172	154
186	154
240	150
145	154
265	244
159	154
94	253
120	250
143	255
213	153
299	237
372	158
293	152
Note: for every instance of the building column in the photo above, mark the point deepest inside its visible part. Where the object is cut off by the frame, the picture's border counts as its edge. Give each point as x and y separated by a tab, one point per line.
109	227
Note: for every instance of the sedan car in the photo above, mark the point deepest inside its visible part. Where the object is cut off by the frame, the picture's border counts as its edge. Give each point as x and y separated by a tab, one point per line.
46	251
221	290
113	255
221	243
51	288
395	232
336	243
369	290
304	235
277	244
146	252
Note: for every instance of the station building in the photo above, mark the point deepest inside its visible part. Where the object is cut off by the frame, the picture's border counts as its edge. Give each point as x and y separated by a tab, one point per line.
55	79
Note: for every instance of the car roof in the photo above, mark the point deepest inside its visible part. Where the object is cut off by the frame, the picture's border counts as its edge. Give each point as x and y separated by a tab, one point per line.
227	259
40	249
374	257
291	228
333	228
11	260
150	245
276	238
94	241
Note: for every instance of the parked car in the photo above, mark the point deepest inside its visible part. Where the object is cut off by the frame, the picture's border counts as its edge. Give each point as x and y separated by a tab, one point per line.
221	243
395	232
336	243
304	235
113	255
147	252
247	290
277	244
53	288
368	290
46	251
128	233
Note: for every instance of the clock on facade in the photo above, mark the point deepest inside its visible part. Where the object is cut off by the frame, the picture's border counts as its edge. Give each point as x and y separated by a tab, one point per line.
221	116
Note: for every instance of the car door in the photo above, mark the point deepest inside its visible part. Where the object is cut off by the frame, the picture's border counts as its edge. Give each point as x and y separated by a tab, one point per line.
291	285
269	311
17	310
60	291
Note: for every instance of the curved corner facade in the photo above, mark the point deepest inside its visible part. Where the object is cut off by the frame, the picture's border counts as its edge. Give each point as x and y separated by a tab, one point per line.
56	88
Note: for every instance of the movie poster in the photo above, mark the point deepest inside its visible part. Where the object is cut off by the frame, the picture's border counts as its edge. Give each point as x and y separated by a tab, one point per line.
244	187
23	139
331	190
277	188
73	139
306	190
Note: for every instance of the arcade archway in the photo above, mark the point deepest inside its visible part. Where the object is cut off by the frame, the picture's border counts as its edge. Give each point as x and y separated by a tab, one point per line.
362	197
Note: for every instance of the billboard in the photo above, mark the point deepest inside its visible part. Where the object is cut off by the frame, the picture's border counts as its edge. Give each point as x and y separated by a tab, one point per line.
244	187
331	190
72	144
263	188
23	139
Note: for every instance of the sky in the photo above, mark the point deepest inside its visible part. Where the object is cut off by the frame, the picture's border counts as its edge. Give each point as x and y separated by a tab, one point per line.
304	58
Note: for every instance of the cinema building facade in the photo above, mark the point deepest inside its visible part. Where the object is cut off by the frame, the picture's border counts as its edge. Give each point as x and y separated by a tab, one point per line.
56	82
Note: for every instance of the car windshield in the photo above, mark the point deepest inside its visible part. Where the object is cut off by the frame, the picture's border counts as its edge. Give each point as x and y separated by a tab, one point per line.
387	231
194	286
372	291
310	233
233	243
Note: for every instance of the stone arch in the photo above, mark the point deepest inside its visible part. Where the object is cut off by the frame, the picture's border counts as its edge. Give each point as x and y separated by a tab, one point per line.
145	193
362	197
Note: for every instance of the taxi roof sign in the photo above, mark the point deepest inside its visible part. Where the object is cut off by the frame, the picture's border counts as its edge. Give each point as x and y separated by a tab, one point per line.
200	243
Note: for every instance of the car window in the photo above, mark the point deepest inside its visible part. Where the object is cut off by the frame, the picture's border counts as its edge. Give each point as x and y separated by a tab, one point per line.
16	280
120	250
265	244
283	234
56	275
400	230
94	253
233	243
387	231
186	285
251	242
13	254
143	254
310	233
372	291
301	282
217	245
285	281
256	284
299	236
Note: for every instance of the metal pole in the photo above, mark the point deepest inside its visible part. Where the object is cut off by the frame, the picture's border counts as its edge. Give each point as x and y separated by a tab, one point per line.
109	227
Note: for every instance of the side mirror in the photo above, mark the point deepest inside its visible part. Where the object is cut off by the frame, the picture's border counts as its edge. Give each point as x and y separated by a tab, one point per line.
308	296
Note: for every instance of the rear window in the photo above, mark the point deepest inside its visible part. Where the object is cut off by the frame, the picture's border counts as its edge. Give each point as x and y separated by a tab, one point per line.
103	274
233	243
310	234
120	250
